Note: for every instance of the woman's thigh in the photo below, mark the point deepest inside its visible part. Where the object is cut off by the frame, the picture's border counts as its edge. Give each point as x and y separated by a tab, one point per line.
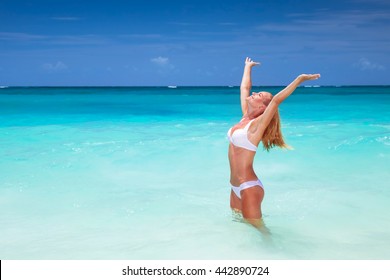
251	199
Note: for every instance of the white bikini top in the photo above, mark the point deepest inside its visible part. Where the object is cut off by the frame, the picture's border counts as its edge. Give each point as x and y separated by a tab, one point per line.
239	138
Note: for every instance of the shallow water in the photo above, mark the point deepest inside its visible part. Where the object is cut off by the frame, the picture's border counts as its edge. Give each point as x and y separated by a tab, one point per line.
142	173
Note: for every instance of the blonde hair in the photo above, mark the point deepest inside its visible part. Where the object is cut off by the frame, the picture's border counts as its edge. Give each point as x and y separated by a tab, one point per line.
273	134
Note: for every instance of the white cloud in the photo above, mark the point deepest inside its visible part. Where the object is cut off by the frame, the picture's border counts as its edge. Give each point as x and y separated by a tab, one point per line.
12	36
160	60
364	64
164	65
89	39
55	67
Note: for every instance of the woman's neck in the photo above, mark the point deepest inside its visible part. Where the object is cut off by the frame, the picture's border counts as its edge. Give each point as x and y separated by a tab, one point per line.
250	114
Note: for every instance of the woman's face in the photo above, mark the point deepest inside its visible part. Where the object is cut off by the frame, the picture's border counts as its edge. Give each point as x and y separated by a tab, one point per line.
259	99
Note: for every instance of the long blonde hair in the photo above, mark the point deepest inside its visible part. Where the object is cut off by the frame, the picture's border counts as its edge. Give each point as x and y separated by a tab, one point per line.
273	134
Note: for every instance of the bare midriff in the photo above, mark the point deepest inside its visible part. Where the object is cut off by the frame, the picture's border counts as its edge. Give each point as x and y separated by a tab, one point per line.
241	165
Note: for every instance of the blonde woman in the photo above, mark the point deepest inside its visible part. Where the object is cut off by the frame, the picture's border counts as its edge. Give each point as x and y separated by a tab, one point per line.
260	123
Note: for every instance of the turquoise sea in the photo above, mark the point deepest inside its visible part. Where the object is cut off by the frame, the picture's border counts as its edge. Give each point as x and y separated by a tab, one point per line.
142	173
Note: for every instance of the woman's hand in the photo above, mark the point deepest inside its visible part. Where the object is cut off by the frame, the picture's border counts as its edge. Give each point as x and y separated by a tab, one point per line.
250	63
308	77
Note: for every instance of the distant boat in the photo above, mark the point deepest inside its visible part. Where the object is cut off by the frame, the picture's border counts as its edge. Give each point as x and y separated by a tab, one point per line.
230	86
172	86
3	86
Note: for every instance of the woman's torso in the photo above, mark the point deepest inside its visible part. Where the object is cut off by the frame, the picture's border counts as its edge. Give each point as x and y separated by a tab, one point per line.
241	157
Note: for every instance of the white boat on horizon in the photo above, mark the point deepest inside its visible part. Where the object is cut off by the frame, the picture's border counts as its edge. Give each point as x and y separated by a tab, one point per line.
172	86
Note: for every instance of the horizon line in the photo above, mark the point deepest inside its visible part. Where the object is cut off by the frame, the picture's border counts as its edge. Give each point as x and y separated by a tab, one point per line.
181	86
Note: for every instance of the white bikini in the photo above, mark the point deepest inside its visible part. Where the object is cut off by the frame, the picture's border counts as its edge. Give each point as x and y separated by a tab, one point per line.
239	138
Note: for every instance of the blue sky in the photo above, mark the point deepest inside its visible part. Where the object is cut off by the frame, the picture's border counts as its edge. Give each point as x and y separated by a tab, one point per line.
152	43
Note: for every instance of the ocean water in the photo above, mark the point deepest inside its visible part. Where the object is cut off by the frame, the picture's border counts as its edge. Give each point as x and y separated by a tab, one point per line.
142	173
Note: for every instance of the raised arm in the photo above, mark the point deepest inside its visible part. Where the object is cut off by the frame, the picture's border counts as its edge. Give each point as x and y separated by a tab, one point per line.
264	120
246	83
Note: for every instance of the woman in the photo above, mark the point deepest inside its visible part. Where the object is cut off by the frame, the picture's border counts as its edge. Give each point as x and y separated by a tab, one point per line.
260	123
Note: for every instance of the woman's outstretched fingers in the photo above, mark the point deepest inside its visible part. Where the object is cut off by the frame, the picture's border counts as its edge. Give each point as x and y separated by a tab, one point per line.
307	77
315	76
250	62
